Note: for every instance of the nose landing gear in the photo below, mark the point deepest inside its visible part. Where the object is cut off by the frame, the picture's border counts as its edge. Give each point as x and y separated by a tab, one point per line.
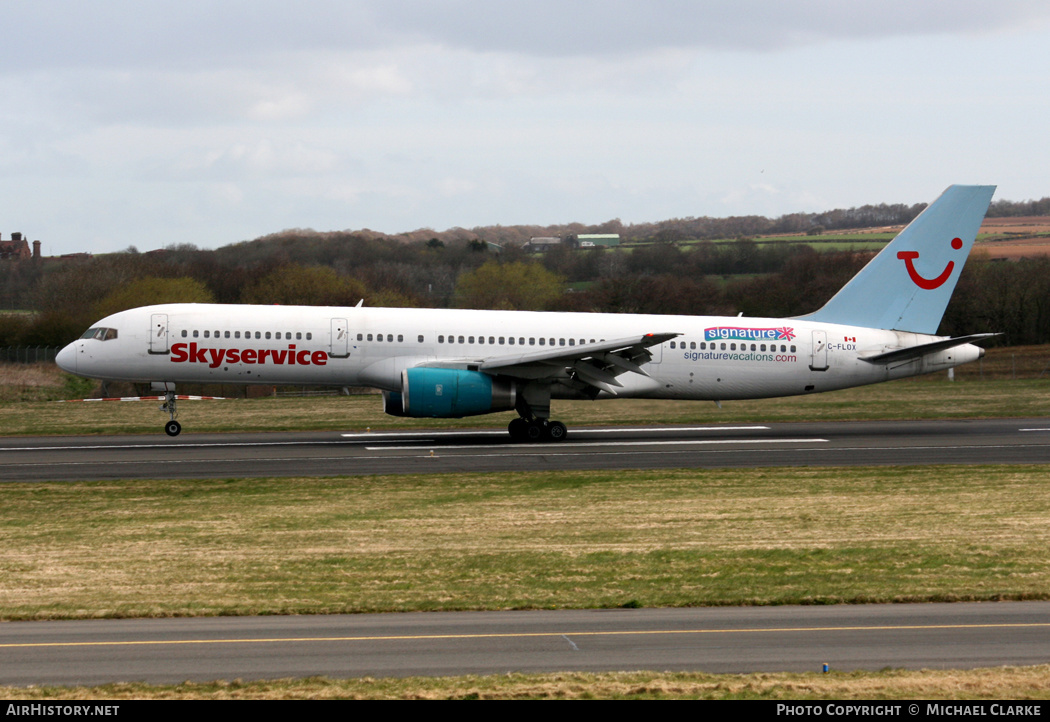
173	427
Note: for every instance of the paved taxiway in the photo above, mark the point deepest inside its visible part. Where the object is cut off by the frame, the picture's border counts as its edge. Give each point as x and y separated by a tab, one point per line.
994	441
717	640
749	639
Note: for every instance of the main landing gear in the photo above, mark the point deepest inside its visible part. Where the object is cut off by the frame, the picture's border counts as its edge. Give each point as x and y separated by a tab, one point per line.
534	410
537	430
173	427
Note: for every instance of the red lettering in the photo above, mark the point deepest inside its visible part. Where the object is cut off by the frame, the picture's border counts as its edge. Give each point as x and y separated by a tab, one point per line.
215	357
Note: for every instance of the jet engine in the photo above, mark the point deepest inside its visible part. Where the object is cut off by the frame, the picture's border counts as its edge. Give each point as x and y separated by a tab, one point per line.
449	393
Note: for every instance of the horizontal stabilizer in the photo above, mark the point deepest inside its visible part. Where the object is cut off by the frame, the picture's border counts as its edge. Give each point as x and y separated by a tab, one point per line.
905	354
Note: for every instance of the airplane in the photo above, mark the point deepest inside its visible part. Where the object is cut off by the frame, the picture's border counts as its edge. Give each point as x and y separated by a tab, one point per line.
442	363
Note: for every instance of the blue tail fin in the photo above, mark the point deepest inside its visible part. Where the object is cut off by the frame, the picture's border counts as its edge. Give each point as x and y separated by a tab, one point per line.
906	287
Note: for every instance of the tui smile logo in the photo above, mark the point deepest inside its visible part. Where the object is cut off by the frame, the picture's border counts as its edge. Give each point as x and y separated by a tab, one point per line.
928	283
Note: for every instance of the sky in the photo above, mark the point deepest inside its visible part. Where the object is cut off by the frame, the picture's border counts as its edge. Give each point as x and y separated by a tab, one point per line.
147	124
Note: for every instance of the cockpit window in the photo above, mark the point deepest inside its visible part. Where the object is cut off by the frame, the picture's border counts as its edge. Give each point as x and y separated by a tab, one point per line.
102	334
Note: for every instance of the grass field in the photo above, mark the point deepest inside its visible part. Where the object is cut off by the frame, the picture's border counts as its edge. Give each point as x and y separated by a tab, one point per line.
1000	238
523	540
1006	683
910	399
578	539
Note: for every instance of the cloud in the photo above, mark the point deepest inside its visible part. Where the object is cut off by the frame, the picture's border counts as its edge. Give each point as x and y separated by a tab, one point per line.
262	157
450	186
409	113
614	27
188	34
183	34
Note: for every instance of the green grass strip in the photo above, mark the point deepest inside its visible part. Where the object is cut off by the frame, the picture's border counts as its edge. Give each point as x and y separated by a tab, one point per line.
924	398
523	540
1002	683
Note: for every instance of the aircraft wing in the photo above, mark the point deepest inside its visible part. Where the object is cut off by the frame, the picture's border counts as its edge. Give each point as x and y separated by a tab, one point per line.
592	366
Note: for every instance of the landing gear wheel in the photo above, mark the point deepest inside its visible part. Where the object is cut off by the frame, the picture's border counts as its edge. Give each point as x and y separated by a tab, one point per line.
536	430
557	431
518	429
173	427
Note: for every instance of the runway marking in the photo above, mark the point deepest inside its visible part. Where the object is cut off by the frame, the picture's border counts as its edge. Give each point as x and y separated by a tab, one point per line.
425	436
394	441
525	451
396	434
575	431
360	436
928	448
527	635
176	446
591	444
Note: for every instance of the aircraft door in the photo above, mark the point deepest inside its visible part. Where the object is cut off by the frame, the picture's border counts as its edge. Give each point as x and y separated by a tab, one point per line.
158	336
339	343
657	352
819	355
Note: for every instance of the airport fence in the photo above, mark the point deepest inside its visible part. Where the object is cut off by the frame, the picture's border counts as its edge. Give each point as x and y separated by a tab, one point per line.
1008	362
28	354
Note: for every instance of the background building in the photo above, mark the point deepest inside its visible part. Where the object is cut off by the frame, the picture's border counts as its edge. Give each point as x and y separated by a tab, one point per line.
18	248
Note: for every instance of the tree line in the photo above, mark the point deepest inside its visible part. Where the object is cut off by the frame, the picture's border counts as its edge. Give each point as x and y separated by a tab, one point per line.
62	297
1008	297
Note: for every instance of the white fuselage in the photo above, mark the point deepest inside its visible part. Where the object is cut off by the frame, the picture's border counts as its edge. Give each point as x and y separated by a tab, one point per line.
713	358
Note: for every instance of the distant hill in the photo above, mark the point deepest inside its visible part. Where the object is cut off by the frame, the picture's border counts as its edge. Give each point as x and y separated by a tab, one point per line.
679	229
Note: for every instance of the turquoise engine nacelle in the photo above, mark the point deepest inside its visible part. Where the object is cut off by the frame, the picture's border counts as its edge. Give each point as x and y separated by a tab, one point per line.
449	393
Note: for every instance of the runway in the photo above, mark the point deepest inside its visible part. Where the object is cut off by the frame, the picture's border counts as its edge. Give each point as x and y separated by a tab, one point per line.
706	639
739	640
191	456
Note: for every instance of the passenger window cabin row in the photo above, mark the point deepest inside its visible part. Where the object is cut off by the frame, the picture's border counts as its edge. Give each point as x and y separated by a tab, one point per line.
512	341
105	334
286	335
732	346
490	340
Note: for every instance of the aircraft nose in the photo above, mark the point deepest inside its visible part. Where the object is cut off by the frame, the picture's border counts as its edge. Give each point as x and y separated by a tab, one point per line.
67	358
